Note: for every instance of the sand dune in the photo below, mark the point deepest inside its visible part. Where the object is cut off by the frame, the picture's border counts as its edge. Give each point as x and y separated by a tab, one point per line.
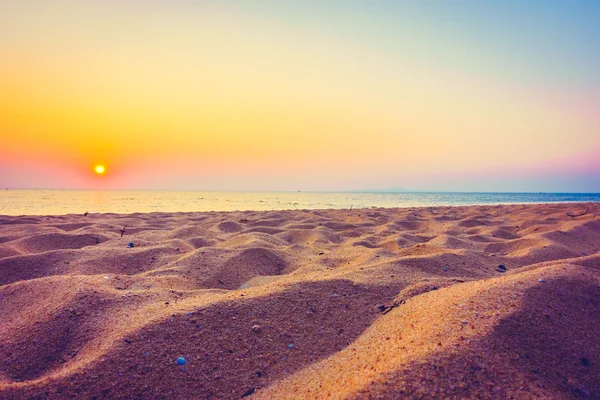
368	303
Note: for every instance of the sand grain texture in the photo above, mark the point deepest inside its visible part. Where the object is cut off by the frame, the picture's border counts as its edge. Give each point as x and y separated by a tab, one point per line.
361	304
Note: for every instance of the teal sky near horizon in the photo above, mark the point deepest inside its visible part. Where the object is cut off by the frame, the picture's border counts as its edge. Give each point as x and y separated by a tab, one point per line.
313	95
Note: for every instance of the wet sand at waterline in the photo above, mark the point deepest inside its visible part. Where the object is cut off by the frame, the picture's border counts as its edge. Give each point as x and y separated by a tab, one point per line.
448	302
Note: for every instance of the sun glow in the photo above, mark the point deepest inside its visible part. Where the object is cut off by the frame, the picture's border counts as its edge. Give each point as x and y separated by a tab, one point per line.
99	169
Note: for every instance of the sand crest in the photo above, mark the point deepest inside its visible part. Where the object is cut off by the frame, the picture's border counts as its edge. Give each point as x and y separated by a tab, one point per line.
315	304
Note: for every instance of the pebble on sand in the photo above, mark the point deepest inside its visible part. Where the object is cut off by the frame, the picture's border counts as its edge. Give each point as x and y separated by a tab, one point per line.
256	328
130	245
291	346
181	361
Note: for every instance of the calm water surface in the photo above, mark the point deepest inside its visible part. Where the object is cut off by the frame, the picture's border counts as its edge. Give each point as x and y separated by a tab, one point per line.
57	202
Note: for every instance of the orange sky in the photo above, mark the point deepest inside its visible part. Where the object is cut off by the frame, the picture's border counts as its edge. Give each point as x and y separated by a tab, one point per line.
231	96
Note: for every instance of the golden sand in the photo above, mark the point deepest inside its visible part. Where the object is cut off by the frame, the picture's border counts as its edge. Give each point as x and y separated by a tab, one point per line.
368	303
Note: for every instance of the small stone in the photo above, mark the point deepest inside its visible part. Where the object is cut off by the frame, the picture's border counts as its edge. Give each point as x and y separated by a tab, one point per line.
291	346
584	361
130	245
256	328
181	361
445	269
541	280
248	392
501	268
258	373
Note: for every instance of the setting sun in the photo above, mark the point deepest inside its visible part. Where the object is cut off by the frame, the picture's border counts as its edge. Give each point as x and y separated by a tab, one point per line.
99	169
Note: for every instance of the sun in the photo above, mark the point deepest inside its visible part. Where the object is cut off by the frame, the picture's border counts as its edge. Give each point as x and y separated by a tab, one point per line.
99	169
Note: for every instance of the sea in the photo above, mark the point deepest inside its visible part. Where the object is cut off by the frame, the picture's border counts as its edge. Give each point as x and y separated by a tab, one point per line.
60	202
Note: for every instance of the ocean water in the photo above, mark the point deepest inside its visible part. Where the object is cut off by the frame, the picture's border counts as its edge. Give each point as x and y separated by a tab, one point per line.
59	202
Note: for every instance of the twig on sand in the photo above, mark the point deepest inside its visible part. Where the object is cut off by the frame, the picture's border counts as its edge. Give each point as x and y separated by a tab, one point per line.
387	309
123	230
578	214
312	310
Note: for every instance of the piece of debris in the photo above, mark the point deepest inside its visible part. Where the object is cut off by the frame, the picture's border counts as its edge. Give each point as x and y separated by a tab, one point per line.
258	373
291	346
123	230
256	328
85	213
248	392
97	240
220	282
130	245
501	268
181	361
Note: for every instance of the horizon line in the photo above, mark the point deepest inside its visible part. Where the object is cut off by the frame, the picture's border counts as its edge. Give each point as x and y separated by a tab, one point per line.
355	191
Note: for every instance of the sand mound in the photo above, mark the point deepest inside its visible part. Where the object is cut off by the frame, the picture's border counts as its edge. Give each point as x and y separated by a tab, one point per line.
56	241
377	303
72	227
253	239
248	263
230	226
199	242
470	340
511	246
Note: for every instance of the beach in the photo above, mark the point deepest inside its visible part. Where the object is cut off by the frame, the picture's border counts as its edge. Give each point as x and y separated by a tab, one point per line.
495	301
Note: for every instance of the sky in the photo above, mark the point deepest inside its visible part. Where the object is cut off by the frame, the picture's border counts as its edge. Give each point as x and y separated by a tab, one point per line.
427	95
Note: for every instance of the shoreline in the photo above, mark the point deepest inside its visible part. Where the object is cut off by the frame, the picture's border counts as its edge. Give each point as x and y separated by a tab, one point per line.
128	202
317	303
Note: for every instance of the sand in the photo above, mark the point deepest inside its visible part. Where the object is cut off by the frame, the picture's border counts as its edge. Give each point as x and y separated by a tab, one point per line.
306	304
